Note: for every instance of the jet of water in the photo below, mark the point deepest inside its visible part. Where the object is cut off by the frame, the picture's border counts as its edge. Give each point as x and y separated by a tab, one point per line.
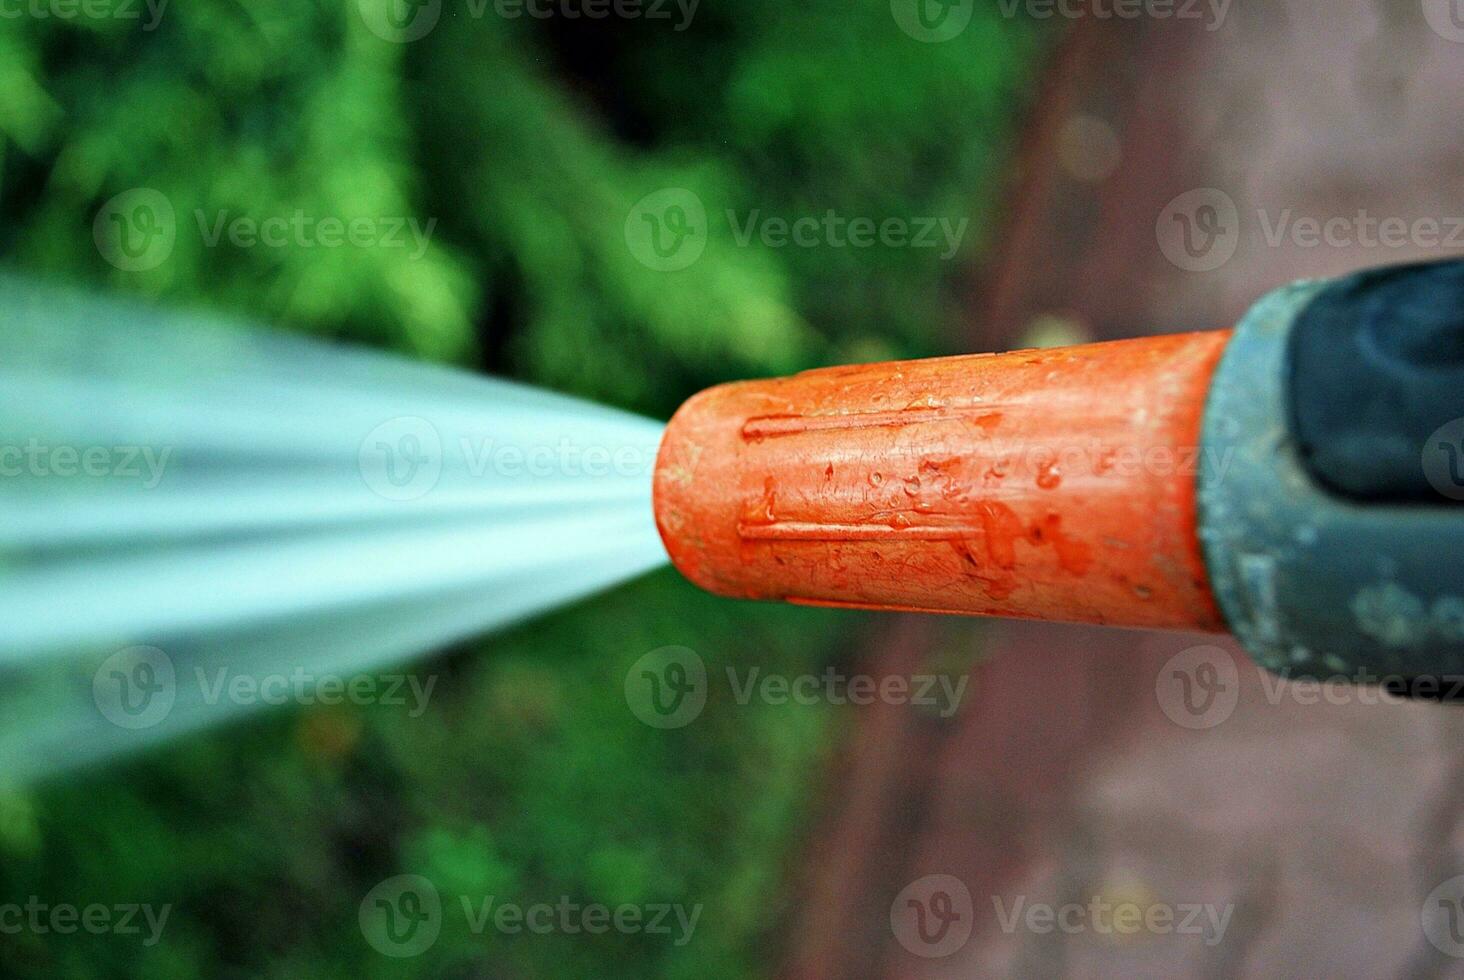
196	513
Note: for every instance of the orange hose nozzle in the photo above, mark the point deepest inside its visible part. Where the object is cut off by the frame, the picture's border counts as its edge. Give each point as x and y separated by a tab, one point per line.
1048	484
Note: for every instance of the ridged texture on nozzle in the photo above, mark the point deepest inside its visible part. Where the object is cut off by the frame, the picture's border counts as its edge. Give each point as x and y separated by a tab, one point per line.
1054	484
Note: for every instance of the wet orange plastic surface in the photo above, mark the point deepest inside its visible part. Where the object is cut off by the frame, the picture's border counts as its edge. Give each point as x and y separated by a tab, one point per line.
1049	484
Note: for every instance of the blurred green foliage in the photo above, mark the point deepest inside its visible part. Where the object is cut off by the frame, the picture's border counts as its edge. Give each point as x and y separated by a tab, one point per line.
528	141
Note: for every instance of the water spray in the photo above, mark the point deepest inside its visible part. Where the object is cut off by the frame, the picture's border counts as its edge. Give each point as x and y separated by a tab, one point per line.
199	514
1295	481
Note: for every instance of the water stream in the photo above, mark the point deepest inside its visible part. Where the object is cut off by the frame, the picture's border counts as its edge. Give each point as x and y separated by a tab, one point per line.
184	499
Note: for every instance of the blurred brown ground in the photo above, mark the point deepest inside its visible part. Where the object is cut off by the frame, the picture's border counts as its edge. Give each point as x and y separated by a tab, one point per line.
1323	825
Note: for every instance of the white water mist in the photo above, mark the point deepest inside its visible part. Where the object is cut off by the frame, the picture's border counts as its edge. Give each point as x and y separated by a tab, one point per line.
184	498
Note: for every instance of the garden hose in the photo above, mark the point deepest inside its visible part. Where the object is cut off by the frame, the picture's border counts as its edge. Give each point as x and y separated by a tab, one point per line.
1295	481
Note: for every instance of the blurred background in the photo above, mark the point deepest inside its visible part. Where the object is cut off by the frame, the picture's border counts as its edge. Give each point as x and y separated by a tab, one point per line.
1030	151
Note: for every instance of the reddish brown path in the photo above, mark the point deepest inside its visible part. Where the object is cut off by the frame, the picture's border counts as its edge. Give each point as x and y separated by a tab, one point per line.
1062	781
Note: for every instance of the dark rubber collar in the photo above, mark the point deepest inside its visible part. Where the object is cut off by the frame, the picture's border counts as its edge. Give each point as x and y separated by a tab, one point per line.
1376	366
